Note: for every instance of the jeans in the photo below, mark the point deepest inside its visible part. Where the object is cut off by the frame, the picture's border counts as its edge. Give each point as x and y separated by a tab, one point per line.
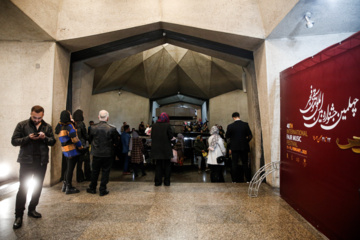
103	164
199	160
37	171
126	162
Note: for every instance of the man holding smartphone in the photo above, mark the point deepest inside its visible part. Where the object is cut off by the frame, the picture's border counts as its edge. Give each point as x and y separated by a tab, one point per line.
33	136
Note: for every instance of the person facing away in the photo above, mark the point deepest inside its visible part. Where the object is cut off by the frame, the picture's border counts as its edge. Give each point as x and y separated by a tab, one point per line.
142	129
34	136
240	135
137	152
179	147
71	147
216	149
161	150
125	141
84	157
200	151
103	139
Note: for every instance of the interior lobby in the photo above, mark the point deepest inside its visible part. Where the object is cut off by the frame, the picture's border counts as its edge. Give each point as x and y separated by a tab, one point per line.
132	57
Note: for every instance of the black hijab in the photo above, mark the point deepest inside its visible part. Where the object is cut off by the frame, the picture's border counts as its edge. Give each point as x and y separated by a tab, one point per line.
65	116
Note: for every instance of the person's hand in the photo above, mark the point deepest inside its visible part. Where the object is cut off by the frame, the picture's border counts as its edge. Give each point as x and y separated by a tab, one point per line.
229	152
203	151
41	135
32	136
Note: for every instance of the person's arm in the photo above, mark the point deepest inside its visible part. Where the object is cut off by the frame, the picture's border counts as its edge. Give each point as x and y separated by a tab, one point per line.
249	134
222	146
73	136
18	138
84	132
49	138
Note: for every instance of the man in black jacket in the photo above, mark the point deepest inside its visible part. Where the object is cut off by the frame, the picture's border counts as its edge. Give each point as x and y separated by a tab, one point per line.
103	139
33	136
240	136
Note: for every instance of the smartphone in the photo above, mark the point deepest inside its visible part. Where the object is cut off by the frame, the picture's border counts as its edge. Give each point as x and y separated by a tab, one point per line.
36	134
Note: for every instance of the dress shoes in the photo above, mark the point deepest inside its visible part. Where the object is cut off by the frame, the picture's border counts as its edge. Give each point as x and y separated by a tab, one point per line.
34	214
104	192
71	190
18	223
91	190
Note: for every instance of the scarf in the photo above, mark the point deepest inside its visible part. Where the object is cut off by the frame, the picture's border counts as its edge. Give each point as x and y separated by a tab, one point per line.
214	132
163	118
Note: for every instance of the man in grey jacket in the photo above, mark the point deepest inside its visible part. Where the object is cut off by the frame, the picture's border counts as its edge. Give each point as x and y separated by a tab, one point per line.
33	136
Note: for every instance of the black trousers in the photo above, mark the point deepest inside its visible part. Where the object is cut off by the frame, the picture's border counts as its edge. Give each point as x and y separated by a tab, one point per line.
71	163
102	164
216	173
63	168
81	174
237	172
37	171
163	168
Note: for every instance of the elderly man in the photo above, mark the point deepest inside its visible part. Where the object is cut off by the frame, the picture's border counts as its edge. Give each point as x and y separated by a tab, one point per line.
103	138
33	136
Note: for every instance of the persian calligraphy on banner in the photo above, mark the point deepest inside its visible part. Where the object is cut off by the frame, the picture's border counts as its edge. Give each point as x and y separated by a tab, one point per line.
329	117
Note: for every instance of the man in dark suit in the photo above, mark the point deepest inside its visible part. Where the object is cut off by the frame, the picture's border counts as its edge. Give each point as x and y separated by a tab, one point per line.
240	135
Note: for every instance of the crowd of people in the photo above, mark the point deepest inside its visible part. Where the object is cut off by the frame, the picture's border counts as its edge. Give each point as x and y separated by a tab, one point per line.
103	142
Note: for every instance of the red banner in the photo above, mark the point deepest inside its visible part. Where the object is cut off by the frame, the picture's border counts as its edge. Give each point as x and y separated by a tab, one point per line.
320	139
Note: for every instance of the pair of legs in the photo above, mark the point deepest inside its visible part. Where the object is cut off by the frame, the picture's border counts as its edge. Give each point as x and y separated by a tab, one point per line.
71	163
102	164
126	162
237	172
27	171
140	166
86	174
199	160
163	168
216	174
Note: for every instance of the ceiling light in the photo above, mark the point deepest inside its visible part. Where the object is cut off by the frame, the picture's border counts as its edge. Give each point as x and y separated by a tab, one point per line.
309	24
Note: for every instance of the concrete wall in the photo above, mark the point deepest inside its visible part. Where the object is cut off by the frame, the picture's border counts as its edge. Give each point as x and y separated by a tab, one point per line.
27	72
61	76
221	108
272	57
126	107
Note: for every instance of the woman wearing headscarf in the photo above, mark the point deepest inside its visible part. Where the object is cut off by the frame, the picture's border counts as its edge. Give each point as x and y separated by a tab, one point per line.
70	145
161	151
137	152
216	149
84	157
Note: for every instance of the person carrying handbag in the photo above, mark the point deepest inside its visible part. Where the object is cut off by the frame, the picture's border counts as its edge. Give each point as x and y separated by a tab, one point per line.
216	149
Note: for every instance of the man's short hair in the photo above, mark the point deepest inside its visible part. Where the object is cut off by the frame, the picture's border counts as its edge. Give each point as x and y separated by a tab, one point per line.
235	114
126	127
103	115
37	109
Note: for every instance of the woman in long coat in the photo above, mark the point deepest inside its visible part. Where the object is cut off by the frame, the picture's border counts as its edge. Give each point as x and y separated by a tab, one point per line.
137	152
161	150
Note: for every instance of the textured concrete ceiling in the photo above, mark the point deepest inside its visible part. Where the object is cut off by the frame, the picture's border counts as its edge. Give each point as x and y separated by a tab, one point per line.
168	70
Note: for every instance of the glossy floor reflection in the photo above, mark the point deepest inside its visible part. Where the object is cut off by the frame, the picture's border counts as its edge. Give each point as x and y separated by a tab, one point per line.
139	210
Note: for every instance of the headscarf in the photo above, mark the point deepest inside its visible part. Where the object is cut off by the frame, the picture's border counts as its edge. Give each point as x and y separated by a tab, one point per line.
78	116
135	134
215	133
65	116
163	118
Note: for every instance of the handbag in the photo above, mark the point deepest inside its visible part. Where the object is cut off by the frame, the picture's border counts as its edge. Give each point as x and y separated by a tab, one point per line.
221	159
204	154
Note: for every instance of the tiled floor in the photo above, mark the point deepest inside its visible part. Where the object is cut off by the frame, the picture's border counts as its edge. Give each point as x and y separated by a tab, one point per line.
139	210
